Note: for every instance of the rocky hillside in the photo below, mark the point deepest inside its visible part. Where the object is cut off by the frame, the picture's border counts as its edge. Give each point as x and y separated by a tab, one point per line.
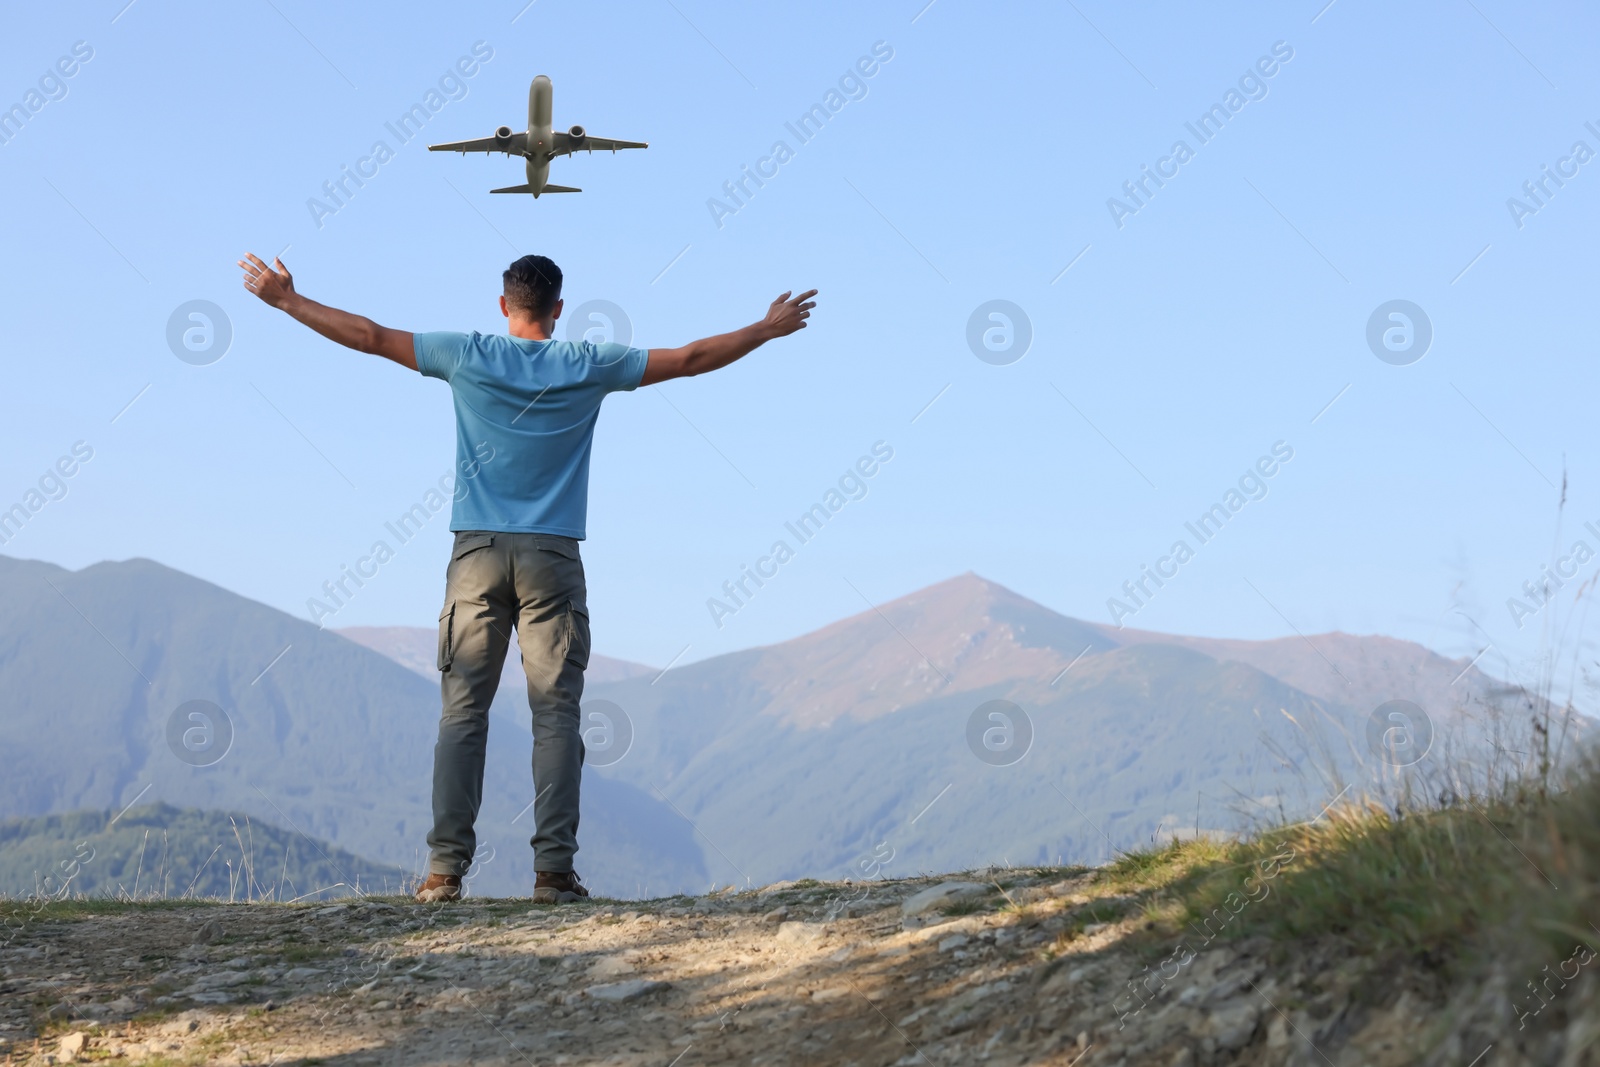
1372	935
1037	966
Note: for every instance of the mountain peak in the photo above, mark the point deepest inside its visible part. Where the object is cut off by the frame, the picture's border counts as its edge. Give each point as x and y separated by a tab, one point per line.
969	583
962	634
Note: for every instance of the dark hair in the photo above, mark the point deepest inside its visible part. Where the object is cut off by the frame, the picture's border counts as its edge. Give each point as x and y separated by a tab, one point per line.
533	284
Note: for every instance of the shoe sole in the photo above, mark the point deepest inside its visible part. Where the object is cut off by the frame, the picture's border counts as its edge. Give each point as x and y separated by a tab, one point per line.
556	896
439	895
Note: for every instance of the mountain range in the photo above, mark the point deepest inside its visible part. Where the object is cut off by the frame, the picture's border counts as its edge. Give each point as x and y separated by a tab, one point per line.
328	739
960	724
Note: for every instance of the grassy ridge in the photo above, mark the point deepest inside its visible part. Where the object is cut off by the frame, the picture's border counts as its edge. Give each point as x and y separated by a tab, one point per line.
163	852
1516	876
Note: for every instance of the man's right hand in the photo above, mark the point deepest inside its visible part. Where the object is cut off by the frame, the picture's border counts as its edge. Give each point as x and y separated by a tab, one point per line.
785	316
274	287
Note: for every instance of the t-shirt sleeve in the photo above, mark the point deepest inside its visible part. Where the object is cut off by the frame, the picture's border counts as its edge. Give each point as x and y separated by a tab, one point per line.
439	354
616	367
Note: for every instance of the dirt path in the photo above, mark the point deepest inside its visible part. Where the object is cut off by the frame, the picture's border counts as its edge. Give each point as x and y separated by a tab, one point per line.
997	967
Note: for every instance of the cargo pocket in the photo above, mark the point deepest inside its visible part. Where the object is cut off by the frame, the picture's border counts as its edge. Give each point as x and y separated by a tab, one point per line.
565	547
447	636
470	542
578	634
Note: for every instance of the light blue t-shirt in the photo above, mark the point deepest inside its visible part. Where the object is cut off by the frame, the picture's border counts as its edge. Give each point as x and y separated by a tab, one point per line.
525	415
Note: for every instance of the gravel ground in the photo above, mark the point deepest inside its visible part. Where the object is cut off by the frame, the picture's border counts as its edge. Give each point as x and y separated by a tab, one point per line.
999	966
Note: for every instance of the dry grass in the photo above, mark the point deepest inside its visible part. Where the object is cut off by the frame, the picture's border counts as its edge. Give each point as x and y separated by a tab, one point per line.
1515	876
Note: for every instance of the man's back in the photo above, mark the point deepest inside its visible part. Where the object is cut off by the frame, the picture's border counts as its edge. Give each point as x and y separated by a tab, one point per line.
525	417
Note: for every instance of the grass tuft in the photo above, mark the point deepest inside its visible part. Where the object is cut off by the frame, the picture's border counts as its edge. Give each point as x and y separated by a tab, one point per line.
1516	875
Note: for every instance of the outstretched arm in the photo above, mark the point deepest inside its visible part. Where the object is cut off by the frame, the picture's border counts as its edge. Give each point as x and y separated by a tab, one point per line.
784	317
276	288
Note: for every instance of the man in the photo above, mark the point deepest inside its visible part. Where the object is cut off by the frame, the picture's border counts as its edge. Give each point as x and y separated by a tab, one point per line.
526	406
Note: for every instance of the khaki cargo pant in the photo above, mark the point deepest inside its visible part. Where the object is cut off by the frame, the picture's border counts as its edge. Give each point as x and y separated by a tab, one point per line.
497	582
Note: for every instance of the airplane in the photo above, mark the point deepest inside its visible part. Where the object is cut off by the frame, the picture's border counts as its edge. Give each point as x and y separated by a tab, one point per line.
539	145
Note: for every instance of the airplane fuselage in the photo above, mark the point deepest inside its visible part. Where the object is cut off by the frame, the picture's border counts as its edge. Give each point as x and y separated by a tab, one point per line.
540	142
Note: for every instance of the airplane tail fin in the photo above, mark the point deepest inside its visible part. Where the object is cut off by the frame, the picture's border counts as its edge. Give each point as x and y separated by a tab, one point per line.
529	189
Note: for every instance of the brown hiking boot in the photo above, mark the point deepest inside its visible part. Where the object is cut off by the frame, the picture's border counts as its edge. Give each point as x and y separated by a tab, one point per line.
439	888
562	887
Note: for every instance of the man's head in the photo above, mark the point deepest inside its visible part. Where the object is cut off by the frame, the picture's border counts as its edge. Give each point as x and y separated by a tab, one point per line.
532	290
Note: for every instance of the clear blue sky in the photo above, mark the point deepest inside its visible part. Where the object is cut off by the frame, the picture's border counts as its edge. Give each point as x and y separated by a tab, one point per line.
1220	318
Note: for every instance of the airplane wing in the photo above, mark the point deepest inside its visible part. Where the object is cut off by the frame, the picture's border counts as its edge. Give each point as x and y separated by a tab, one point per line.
511	144
566	144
